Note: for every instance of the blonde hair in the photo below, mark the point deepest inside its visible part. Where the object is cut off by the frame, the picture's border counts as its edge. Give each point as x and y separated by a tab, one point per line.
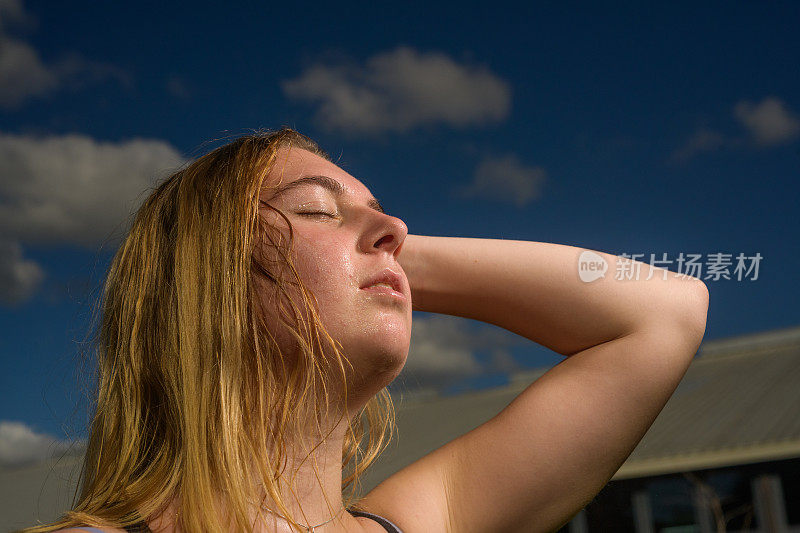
191	382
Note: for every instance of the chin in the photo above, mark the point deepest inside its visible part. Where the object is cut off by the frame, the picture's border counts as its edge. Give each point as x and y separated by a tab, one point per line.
384	364
374	370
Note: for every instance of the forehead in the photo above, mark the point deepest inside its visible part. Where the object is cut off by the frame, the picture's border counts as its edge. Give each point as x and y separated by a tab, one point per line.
292	164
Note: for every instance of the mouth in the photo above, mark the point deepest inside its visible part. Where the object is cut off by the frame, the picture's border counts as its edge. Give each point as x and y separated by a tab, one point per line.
385	282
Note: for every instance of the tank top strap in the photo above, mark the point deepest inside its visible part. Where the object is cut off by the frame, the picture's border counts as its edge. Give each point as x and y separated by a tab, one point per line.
387	524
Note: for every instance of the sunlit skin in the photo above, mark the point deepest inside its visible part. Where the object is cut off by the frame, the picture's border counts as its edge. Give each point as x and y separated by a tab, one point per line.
339	243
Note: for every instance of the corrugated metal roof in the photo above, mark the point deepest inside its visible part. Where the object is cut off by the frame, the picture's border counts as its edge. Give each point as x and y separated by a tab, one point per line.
738	403
42	491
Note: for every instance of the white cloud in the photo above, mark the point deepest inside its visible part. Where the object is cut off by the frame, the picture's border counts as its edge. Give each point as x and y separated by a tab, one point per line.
443	351
20	444
23	73
440	348
69	189
19	277
506	179
703	140
769	122
400	90
74	189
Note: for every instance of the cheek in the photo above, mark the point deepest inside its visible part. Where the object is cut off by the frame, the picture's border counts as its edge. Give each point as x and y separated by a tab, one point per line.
326	267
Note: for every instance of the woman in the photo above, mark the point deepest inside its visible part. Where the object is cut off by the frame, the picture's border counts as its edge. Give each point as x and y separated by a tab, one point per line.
261	304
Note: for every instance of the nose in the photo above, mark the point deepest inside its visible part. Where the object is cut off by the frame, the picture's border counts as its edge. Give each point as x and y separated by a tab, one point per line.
386	233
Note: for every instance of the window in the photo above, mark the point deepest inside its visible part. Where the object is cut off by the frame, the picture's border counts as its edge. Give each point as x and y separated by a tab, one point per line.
733	499
672	505
611	509
789	472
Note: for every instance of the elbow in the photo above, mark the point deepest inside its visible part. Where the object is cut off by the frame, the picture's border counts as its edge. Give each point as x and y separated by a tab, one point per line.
683	313
691	313
697	311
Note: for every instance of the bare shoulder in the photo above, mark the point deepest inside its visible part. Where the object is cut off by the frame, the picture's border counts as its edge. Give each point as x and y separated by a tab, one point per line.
414	498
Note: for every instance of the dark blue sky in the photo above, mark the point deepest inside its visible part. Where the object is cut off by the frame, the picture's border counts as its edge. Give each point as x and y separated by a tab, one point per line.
667	128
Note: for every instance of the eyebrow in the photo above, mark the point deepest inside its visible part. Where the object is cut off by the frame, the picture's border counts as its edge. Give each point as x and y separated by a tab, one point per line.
327	183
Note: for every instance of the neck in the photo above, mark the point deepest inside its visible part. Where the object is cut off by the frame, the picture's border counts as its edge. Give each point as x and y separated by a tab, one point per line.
316	475
315	498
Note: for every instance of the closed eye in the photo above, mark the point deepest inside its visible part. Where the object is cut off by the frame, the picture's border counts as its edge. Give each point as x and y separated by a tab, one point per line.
317	213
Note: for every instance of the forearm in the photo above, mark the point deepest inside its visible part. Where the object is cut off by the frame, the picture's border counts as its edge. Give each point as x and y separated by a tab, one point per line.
534	290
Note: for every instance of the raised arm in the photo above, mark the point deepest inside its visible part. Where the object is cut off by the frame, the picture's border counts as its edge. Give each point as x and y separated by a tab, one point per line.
546	455
533	289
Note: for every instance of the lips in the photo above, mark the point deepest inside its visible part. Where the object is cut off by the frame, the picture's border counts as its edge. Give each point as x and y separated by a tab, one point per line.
386	276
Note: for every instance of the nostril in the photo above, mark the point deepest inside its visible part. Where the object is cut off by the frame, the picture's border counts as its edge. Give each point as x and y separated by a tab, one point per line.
384	239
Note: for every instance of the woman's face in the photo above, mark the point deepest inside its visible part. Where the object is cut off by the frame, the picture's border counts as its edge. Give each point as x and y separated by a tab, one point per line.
341	241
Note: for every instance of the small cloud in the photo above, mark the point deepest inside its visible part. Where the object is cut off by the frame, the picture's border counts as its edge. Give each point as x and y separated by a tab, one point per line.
769	122
440	350
76	72
505	179
74	189
703	140
23	73
400	90
21	445
444	351
177	87
502	361
19	277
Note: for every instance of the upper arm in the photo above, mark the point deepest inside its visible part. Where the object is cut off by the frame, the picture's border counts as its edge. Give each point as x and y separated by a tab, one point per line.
548	453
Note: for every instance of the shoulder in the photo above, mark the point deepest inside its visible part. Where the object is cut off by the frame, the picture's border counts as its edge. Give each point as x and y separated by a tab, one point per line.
414	499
